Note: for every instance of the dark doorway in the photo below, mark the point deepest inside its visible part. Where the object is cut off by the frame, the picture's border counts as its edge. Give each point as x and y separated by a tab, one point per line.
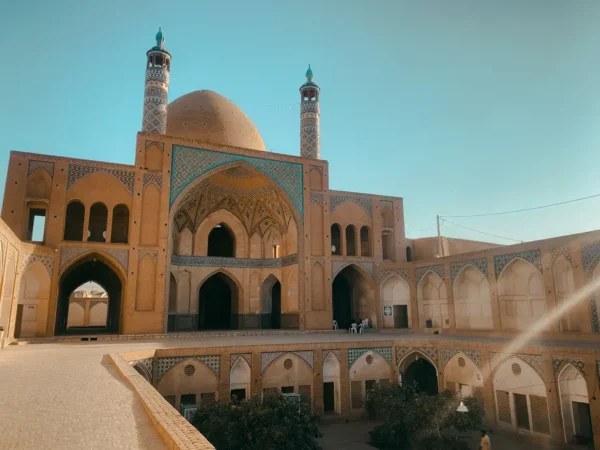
92	268
400	316
271	304
221	242
521	411
422	374
329	397
188	399
348	287
19	322
238	394
342	302
74	221
276	306
287	389
583	423
217	299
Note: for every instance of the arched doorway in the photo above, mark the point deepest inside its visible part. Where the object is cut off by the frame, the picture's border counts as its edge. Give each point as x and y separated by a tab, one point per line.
96	269
217	303
575	407
417	370
353	296
221	242
271	303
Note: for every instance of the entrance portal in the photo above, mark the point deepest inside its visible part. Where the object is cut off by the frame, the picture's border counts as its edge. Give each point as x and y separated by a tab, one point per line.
217	299
353	296
104	314
423	375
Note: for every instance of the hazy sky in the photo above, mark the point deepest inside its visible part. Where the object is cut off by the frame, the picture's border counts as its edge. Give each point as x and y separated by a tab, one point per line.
459	107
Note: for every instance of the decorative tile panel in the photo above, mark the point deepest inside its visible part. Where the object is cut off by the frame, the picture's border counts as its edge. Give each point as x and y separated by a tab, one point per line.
589	254
68	254
336	200
152	253
266	358
27	259
337	266
559	362
535	361
355	353
421	271
189	163
152	178
213	362
561	250
446	355
77	172
316	197
385	274
431	352
46	165
218	261
147	365
326	353
532	256
245	356
479	263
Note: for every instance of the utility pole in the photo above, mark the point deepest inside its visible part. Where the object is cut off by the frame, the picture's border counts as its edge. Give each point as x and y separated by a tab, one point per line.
439	238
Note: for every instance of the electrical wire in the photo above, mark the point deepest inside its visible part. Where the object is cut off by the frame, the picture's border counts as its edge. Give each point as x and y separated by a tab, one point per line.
482	232
526	209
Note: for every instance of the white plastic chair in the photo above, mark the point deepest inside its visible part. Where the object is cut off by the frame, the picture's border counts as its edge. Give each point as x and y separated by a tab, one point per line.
361	327
335	325
365	324
353	328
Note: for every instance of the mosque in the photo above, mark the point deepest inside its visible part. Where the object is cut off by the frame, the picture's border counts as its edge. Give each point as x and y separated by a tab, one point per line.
209	231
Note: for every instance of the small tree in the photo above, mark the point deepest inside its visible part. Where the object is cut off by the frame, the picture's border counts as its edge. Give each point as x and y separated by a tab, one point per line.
270	423
417	420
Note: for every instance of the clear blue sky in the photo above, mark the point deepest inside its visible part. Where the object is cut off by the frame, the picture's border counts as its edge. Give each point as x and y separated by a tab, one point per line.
458	106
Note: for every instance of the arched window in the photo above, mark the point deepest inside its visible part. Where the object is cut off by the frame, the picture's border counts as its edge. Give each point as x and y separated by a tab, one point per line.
74	221
365	241
336	239
120	224
350	241
97	225
221	242
409	256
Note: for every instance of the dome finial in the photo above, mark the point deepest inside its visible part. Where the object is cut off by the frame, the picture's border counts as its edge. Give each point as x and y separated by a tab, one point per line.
160	39
309	74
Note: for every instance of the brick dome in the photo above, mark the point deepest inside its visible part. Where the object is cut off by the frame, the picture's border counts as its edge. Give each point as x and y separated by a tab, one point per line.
210	117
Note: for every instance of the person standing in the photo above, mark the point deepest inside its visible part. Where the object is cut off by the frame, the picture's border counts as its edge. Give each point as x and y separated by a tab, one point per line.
485	443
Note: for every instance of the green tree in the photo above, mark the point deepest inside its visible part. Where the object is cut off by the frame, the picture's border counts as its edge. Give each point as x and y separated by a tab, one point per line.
416	420
268	423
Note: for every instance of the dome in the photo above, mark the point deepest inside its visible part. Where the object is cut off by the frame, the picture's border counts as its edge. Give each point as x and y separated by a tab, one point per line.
210	117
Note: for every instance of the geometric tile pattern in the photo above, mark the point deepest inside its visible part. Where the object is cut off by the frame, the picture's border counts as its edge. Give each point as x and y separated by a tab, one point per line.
266	358
589	253
438	269
561	250
153	178
535	361
355	353
156	95
213	362
532	256
430	352
337	266
68	254
46	165
77	171
479	263
245	356
152	253
385	274
337	200
189	163
310	145
336	352
447	353
218	261
147	365
27	259
316	197
559	362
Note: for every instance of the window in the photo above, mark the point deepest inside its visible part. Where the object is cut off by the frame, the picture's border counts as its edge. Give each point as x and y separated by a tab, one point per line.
120	224
37	224
276	251
188	399
336	239
287	389
238	394
387	244
409	256
97	224
221	242
350	241
365	241
74	221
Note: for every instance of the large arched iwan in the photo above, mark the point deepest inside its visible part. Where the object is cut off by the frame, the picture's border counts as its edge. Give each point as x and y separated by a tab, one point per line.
353	297
94	268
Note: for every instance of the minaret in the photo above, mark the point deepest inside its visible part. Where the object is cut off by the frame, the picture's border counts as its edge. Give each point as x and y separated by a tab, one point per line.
156	94
310	140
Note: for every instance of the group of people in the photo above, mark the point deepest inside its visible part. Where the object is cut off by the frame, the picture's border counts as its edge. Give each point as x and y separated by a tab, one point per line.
358	326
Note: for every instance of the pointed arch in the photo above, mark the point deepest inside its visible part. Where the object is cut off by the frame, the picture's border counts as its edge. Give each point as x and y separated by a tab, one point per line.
462	375
417	368
143	371
32	306
74	221
219	302
574	403
472	299
564	287
432	298
231	223
353	296
201	381
271	303
395	299
240	377
367	370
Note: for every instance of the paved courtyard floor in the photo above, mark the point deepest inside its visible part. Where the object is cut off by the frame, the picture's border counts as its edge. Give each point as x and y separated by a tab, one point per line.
65	395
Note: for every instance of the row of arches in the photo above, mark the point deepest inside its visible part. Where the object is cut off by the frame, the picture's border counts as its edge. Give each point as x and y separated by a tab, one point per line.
98	219
351	241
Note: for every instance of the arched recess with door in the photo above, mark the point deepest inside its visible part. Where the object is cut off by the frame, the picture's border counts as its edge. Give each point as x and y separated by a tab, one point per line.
218	302
367	370
574	405
462	375
395	298
472	300
433	301
240	379
189	382
288	374
32	307
101	269
353	296
271	303
332	399
419	370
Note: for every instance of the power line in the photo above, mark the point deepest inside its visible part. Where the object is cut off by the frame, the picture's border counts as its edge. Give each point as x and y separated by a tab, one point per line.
526	209
482	232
